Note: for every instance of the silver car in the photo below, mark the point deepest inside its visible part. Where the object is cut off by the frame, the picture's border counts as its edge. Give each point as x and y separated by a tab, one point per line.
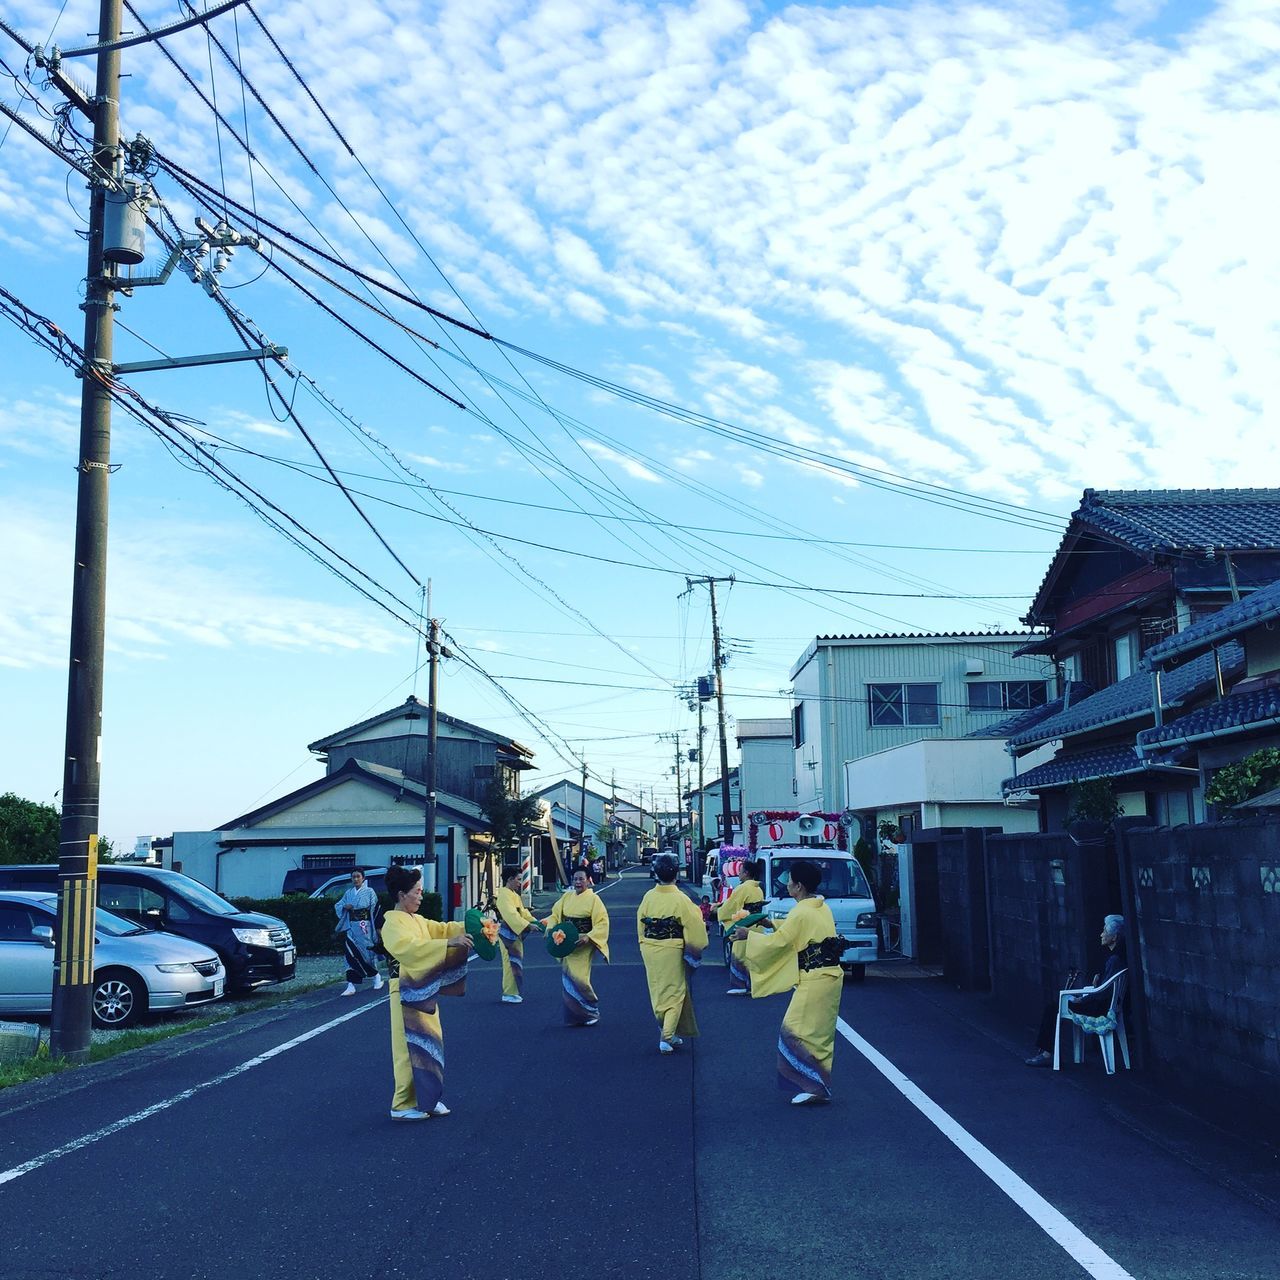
135	970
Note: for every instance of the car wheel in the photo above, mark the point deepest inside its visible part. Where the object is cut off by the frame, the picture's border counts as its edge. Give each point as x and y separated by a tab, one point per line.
854	972
119	1000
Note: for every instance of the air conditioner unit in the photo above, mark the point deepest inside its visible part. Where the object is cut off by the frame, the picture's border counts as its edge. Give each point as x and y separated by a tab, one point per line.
973	667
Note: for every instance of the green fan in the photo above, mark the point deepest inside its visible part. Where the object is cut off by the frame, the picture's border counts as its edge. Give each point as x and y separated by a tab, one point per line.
473	923
568	940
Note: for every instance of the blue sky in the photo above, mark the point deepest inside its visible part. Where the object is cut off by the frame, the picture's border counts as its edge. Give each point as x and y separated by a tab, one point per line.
1009	250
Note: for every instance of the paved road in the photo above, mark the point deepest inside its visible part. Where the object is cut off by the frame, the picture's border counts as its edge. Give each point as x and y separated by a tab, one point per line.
582	1152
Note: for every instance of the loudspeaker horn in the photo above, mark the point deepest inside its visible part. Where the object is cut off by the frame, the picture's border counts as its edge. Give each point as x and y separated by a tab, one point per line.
809	823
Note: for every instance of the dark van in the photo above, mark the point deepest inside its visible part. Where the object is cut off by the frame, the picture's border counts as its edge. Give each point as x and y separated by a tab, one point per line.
256	949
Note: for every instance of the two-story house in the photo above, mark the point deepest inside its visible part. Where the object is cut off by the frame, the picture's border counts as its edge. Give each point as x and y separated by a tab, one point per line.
369	808
857	695
1135	569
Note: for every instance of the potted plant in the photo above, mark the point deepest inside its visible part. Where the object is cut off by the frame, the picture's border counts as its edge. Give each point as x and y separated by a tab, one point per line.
1091	809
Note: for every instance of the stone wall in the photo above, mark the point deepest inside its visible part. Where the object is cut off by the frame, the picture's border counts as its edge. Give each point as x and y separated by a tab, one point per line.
1206	908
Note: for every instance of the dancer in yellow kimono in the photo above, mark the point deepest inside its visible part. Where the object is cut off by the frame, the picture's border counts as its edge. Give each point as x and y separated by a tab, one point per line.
672	938
802	952
584	908
514	921
428	960
747	896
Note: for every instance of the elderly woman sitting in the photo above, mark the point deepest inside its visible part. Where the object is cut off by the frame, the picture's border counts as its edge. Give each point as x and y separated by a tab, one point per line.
1116	958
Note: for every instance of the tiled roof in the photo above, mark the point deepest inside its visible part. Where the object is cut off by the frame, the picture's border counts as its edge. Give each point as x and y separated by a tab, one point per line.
930	635
1234	713
1258	607
1130	698
1022	721
1170	520
1079	766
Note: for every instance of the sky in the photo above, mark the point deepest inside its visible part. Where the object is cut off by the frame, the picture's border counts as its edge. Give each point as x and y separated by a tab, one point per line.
849	302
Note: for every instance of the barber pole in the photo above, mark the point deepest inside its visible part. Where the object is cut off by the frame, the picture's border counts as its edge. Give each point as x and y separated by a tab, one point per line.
526	870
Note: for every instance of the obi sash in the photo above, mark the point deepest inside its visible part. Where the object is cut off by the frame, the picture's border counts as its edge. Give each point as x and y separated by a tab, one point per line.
822	955
659	928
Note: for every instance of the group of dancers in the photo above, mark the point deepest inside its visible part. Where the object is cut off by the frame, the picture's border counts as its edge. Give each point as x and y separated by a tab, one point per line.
428	959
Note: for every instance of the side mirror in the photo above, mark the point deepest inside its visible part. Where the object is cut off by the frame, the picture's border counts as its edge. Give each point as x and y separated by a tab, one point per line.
43	934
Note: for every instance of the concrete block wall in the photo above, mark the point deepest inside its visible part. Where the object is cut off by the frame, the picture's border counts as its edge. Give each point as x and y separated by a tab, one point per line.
1206	907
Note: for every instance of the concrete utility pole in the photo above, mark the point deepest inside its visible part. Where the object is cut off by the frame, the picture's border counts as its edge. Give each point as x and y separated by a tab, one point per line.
81	778
582	814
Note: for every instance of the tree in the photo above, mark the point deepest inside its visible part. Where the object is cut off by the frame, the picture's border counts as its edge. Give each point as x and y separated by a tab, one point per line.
509	818
29	831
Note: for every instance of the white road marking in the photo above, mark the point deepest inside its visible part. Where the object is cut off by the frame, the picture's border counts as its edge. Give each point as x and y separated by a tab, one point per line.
1054	1224
76	1144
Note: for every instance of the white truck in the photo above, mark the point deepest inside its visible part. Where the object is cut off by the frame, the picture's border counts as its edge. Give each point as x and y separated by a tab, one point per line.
844	887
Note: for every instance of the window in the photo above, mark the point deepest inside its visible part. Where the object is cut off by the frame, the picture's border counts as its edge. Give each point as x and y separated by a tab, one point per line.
1126	654
902	704
797	725
15	923
1006	695
482	772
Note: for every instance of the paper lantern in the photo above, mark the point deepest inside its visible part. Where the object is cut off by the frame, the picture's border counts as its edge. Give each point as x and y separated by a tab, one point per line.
775	831
829	832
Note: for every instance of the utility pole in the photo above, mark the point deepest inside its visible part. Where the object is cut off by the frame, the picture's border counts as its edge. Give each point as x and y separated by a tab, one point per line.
582	814
429	859
718	660
70	1024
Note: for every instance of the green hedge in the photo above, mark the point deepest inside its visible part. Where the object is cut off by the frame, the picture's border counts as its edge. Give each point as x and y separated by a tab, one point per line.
312	920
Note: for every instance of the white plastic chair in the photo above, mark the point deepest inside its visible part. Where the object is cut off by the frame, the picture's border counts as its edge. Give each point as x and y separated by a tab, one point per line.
1106	1038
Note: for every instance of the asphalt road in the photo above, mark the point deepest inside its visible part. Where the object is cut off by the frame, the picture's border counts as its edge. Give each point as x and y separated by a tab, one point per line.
581	1152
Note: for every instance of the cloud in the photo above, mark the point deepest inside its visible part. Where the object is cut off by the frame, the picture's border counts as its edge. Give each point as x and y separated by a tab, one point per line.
168	582
636	470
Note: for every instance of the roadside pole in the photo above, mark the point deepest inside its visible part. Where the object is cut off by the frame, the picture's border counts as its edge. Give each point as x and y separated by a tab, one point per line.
81	778
430	861
724	744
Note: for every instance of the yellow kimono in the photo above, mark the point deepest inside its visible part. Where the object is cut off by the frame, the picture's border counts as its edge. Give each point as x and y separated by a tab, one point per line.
514	921
746	896
792	956
586	910
672	936
423	968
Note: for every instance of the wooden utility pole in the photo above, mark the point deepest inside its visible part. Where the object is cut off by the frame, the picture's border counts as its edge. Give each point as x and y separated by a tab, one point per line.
718	655
429	859
71	1020
582	814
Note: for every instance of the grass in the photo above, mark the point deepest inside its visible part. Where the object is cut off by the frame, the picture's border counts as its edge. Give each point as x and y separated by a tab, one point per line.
19	1072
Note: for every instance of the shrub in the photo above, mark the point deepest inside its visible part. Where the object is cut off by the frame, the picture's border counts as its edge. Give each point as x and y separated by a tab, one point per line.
1236	783
312	920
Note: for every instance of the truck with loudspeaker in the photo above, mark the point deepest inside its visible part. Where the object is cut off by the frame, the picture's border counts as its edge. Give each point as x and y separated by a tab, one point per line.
777	839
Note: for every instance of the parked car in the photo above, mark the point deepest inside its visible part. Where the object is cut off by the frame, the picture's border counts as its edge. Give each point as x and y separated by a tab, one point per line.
335	886
135	970
308	879
255	949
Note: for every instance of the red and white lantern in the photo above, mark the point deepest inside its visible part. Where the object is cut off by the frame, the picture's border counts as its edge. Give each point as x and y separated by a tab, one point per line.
829	832
775	831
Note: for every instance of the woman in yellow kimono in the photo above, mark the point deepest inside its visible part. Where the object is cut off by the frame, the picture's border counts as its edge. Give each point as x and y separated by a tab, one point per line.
802	952
672	938
514	921
428	960
584	908
747	896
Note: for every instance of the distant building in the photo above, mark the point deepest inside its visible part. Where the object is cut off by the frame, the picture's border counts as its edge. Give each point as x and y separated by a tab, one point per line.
767	764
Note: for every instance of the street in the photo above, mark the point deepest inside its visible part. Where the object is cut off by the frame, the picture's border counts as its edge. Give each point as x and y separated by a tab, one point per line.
261	1147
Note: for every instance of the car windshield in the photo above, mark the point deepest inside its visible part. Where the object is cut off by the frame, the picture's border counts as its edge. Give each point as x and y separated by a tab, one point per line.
841	877
193	892
115	926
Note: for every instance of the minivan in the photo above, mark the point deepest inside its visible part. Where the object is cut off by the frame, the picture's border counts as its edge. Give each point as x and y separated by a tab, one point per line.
844	888
255	949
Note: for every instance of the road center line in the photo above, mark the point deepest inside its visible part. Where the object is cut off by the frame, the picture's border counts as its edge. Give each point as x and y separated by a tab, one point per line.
37	1162
1059	1228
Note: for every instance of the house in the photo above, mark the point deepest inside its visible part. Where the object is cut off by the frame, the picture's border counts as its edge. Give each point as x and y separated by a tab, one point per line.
857	695
1135	569
766	764
368	808
1243	712
707	806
